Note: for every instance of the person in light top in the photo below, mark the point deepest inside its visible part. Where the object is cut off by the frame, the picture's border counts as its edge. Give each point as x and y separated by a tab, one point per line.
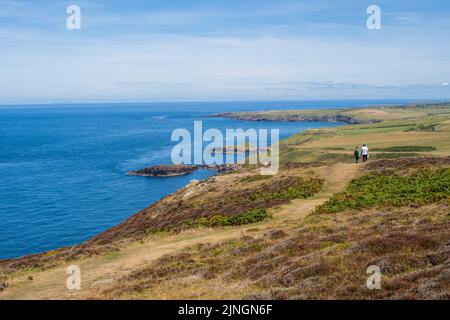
365	153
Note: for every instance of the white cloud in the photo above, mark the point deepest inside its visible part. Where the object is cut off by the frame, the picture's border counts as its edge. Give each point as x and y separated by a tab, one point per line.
245	62
202	68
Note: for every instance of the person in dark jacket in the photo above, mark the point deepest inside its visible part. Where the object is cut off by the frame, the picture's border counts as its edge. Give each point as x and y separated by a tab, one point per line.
356	154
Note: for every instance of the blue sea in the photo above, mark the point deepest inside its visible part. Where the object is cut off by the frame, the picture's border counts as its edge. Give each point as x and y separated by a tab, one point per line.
63	167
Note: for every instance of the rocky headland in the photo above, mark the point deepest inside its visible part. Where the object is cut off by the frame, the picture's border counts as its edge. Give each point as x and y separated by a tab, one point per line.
172	170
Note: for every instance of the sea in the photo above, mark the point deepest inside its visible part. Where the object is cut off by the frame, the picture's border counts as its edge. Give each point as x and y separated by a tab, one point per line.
63	167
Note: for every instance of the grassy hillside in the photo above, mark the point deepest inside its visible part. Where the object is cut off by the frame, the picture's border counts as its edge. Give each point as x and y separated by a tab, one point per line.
310	231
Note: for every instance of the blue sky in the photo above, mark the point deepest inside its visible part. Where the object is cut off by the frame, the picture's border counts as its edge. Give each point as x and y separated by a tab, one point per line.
188	50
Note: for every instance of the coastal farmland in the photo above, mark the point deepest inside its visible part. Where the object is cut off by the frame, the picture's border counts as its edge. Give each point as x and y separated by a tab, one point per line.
354	115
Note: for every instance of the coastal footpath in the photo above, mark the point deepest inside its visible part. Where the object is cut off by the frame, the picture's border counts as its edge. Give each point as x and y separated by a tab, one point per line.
308	232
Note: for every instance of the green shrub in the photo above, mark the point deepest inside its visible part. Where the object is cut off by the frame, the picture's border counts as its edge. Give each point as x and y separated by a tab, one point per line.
252	216
159	231
216	221
389	188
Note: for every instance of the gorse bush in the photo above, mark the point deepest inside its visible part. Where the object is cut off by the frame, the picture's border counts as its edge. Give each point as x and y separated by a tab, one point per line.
252	216
389	188
159	231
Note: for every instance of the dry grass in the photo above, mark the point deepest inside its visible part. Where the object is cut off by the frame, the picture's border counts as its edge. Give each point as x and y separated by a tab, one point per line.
322	258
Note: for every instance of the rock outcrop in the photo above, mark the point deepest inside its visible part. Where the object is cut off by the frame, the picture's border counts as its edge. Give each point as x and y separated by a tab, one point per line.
172	170
164	170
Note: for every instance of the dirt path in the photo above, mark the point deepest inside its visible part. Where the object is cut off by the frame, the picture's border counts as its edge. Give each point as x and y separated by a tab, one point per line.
101	270
336	178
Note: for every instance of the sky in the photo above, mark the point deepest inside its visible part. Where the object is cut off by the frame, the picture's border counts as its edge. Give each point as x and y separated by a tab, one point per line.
210	50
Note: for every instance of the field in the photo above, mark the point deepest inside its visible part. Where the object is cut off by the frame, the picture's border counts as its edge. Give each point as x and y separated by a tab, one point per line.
309	232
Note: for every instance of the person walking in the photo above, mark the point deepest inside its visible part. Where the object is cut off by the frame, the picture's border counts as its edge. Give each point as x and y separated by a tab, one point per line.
365	153
356	154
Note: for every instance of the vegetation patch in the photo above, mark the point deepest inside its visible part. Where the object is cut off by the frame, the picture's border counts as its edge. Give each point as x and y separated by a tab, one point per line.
302	263
160	231
407	149
393	155
234	206
334	148
389	188
408	163
292	154
248	217
425	127
252	216
336	157
113	256
291	188
255	178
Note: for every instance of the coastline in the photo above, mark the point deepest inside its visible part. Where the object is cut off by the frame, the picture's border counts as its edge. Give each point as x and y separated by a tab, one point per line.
289	117
94	193
82	247
358	115
297	116
253	226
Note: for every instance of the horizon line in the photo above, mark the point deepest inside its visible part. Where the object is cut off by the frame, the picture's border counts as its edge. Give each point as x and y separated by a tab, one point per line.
400	100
